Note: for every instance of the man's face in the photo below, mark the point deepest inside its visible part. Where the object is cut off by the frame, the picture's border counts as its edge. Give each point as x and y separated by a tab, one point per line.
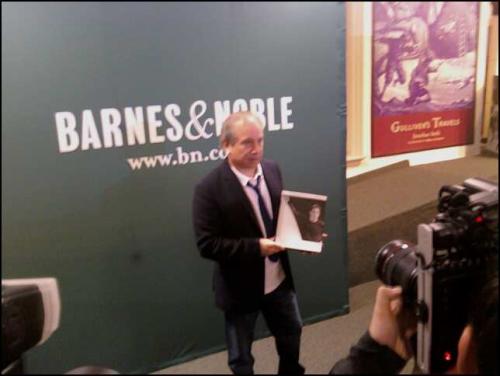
314	214
247	149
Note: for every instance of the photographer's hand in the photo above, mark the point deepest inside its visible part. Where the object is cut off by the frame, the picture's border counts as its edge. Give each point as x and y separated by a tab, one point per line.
384	326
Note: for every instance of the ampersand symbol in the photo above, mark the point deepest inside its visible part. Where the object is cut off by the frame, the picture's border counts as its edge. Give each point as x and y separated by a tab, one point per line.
201	130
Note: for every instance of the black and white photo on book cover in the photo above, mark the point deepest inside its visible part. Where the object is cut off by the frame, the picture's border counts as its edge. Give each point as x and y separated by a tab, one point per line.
301	221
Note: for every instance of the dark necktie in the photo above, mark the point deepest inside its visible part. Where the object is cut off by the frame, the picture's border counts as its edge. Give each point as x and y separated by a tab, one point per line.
268	223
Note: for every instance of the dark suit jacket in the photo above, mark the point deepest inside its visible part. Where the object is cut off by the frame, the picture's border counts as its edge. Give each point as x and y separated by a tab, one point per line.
227	231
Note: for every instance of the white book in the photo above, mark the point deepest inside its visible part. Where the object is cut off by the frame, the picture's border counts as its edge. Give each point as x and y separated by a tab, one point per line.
301	221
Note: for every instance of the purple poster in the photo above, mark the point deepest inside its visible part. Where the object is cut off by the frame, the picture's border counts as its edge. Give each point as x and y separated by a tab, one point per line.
424	67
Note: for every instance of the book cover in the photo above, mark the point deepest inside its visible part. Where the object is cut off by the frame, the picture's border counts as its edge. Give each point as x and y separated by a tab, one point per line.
301	221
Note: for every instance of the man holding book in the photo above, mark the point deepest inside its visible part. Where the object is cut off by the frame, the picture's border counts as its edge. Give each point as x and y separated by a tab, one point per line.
235	208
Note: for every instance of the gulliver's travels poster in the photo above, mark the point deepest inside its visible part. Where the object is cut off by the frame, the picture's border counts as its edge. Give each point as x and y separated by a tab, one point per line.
423	75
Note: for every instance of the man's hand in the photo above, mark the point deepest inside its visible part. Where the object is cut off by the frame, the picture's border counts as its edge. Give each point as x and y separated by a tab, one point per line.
384	326
269	247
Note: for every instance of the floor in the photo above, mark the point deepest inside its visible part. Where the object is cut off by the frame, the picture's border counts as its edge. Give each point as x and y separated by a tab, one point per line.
323	343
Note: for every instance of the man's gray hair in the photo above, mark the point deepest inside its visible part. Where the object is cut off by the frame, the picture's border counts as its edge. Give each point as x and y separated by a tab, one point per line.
227	132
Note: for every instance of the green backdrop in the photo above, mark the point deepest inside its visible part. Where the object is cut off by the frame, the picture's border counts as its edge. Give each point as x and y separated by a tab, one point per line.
136	295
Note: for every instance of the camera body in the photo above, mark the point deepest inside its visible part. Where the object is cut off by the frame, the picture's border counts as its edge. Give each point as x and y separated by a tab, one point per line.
442	273
31	310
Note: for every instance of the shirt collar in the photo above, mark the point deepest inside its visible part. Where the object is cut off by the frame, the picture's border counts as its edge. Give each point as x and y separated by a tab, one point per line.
245	179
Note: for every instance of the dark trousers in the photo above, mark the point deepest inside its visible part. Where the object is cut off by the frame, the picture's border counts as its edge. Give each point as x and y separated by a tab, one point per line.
282	316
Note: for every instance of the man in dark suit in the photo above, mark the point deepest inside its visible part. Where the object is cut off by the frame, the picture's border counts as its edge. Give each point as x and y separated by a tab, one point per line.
235	210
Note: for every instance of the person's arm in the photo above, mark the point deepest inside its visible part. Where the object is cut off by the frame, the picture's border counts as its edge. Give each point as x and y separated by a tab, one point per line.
208	223
369	357
390	325
382	349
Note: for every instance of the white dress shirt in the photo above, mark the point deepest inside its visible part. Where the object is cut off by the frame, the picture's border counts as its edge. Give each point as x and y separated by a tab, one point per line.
274	273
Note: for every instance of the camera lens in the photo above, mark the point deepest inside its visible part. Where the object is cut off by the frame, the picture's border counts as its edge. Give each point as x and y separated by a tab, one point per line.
396	265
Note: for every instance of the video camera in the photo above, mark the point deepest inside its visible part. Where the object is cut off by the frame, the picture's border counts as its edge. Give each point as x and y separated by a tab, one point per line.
31	310
440	275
